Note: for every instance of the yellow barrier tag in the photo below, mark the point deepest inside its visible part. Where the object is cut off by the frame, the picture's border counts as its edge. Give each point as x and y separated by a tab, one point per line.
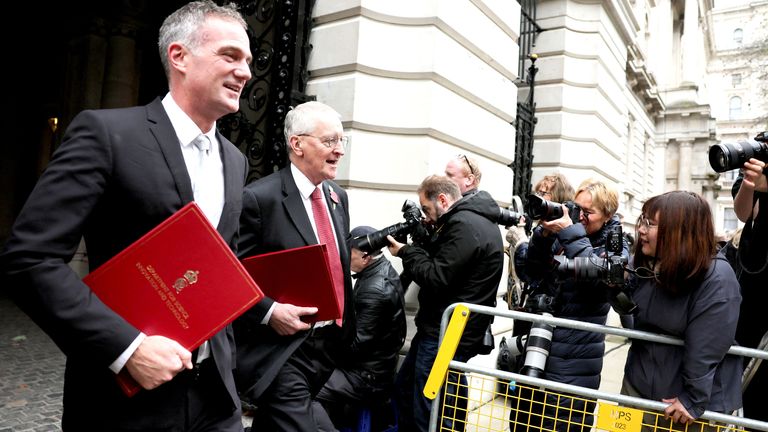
616	418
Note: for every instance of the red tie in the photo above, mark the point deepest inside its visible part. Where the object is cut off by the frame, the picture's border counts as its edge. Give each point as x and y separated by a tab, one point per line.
325	232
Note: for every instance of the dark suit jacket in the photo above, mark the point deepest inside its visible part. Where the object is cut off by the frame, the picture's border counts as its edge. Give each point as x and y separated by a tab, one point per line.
274	218
117	175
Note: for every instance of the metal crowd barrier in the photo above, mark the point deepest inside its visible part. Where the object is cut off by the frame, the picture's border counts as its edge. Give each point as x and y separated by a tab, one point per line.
489	404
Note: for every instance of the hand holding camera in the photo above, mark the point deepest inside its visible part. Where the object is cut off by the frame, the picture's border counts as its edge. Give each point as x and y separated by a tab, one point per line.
755	176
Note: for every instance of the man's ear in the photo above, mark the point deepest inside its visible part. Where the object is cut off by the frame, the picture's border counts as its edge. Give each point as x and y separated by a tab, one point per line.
443	200
177	56
295	144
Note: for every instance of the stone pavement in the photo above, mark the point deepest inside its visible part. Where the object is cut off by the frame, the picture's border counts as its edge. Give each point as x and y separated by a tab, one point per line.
31	374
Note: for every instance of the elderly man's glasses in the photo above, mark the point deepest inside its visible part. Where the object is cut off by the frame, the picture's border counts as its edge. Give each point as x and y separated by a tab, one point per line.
469	165
331	142
646	223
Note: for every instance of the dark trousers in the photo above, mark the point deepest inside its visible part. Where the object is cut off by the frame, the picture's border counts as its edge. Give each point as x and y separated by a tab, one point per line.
346	393
413	407
200	403
751	328
286	404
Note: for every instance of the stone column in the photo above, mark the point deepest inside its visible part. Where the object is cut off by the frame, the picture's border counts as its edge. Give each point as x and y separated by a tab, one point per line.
122	68
685	150
689	49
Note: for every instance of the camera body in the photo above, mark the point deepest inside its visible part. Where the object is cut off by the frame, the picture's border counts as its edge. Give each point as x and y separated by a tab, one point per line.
729	156
609	270
539	208
412	225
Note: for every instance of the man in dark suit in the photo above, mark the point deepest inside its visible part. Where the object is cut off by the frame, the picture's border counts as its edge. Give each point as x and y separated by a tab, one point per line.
282	362
118	174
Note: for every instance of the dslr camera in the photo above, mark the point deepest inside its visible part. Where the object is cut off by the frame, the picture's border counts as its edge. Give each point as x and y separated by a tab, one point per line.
541	209
510	216
729	156
412	225
609	270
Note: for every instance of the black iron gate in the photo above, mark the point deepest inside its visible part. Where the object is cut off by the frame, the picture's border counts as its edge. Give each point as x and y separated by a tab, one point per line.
525	122
279	33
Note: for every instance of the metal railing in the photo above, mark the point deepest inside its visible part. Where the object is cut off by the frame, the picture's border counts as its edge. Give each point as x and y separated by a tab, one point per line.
613	412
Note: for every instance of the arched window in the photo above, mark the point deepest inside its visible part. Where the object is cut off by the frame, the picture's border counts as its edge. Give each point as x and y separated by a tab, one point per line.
734	108
738	36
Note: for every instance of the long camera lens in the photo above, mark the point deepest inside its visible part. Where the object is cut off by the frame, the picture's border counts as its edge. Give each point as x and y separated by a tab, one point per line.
580	268
728	156
537	349
377	240
539	208
508	217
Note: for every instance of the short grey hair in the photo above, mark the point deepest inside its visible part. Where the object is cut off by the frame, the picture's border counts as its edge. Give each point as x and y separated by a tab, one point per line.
184	24
304	118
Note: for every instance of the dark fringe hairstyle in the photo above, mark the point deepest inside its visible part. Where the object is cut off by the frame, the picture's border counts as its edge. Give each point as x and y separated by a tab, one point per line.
685	241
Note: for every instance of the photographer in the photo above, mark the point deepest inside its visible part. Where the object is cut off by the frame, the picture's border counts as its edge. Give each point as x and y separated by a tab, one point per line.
683	288
365	376
554	187
576	356
465	172
751	206
463	262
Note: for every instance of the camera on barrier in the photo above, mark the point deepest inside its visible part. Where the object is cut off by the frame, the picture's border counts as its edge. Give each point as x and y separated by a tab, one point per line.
536	344
412	225
540	209
729	156
609	270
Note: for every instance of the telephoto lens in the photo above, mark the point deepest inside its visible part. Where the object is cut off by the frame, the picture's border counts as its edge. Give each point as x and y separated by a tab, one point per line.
539	208
729	156
537	349
508	218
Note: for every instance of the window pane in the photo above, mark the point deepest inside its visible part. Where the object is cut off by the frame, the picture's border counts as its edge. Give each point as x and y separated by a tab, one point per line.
734	108
730	221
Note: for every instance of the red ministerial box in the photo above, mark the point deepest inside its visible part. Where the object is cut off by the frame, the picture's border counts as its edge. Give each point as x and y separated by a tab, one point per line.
299	276
180	280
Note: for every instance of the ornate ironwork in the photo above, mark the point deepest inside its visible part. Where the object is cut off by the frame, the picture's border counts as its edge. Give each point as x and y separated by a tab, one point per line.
279	34
529	30
525	123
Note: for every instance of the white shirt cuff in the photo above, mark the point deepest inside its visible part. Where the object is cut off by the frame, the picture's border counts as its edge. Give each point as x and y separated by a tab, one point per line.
266	318
118	364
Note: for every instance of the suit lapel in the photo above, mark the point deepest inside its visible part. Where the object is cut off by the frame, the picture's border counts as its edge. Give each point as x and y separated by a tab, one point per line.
233	184
168	142
294	206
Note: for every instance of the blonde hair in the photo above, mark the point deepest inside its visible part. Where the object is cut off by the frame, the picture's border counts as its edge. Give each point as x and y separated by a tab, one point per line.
604	197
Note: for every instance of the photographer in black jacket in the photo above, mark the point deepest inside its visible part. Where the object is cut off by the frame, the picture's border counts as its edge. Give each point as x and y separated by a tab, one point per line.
463	262
750	192
366	375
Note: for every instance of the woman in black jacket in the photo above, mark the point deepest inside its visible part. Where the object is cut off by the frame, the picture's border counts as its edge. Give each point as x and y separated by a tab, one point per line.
576	356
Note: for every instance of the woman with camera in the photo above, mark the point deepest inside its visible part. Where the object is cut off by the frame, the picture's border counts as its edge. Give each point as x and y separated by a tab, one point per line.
576	356
683	288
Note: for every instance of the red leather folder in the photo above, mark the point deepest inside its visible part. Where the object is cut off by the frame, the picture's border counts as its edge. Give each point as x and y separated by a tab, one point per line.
299	276
180	280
